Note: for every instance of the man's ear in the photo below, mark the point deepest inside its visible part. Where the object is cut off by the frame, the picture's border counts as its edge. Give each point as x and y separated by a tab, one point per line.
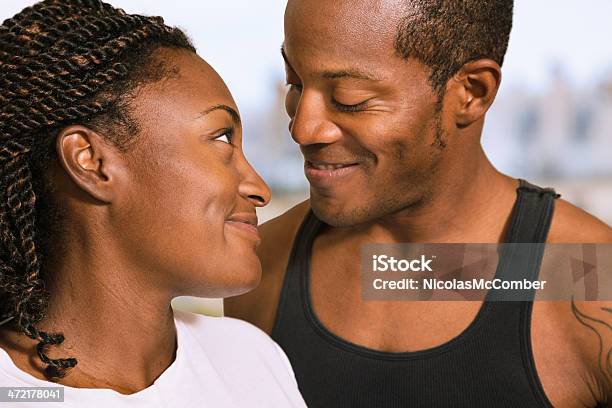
88	160
475	87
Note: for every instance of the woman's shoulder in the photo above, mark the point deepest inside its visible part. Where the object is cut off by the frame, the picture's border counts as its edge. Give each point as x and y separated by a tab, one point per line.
233	344
225	324
225	332
240	353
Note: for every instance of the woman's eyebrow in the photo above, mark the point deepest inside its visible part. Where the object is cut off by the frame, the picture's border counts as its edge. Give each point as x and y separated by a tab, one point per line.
282	50
232	112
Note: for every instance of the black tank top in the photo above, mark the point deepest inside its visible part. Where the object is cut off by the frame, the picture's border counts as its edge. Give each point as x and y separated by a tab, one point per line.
490	364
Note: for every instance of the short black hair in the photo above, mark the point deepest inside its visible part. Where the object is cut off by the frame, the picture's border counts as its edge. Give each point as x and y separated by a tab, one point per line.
447	34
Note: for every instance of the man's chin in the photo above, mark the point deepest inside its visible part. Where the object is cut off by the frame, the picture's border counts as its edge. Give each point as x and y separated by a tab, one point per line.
337	213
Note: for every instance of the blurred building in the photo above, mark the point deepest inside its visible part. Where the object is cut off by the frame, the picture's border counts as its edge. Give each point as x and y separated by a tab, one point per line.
560	138
562	133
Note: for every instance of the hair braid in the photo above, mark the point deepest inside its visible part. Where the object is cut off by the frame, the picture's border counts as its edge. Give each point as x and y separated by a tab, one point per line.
61	62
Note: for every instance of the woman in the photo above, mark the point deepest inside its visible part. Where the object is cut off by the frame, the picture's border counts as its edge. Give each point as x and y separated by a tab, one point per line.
123	184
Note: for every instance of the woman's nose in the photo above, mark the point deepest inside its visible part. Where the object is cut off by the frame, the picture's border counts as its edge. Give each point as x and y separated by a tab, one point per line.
252	186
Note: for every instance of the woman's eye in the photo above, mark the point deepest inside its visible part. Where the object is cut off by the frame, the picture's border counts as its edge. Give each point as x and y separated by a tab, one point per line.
295	87
226	137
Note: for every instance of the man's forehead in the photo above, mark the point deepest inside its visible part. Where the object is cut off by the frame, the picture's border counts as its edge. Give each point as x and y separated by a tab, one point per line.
365	8
344	22
337	69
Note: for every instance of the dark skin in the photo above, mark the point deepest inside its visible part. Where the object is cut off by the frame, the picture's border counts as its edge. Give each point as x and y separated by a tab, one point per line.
413	174
175	215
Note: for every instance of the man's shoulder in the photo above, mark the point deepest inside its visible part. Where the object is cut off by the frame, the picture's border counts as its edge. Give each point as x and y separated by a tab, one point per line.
571	224
585	323
280	231
259	306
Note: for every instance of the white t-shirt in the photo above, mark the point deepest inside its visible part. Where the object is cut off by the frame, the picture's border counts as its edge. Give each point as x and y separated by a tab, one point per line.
220	362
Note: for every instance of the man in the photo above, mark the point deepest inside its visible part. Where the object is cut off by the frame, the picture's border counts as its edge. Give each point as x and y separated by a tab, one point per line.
387	100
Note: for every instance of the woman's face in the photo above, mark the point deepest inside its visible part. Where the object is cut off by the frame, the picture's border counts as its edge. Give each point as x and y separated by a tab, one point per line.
186	212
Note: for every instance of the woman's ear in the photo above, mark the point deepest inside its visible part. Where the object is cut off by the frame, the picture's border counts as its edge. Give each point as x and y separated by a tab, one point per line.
88	160
475	87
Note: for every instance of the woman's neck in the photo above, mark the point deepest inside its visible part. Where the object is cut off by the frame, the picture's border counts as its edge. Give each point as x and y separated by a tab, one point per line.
118	326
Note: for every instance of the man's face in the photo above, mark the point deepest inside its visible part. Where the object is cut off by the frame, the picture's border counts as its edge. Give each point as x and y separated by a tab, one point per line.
365	119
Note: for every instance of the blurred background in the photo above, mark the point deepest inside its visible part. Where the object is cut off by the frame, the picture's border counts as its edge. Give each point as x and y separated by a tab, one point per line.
551	122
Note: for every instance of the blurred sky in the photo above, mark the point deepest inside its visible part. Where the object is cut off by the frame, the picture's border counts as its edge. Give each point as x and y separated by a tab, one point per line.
241	39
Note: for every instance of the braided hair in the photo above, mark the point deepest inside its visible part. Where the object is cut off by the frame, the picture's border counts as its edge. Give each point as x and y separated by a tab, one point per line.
62	62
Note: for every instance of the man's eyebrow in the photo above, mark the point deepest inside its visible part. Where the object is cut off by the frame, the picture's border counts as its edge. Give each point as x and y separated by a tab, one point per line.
349	73
340	74
232	112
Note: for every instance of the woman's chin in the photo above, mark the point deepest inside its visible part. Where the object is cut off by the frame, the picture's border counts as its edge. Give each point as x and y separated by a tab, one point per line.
249	283
237	281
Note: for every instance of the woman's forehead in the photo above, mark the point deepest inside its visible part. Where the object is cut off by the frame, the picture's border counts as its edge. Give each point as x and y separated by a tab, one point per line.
194	88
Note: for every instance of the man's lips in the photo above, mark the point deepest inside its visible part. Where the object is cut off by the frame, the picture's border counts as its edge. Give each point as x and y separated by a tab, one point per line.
326	174
246	222
321	165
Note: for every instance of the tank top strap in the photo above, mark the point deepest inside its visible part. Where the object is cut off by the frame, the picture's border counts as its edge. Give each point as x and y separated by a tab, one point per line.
291	296
532	214
529	224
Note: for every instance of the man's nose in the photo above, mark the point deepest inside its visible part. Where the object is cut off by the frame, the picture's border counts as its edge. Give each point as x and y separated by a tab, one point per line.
311	123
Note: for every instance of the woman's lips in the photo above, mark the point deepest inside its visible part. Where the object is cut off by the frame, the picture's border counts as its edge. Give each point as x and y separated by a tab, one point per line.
325	174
